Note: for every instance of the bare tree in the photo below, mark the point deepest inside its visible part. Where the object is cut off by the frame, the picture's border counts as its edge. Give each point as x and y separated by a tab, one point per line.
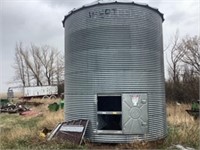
190	83
174	66
38	65
59	69
47	59
32	64
190	49
173	86
184	69
19	64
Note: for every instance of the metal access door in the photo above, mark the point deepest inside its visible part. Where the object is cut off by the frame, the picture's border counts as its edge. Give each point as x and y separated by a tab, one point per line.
134	113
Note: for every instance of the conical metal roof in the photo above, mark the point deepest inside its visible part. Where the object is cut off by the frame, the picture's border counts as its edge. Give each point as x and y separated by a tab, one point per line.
104	2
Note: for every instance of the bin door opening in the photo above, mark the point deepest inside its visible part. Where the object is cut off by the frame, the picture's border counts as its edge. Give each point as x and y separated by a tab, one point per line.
109	115
135	116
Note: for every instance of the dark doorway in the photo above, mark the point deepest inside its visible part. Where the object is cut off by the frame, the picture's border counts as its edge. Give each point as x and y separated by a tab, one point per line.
109	103
109	116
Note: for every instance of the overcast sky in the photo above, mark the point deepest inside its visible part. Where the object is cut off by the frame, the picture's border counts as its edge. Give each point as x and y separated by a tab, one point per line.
39	22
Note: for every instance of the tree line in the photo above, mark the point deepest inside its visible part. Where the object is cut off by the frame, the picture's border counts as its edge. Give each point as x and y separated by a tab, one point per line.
38	65
184	69
44	65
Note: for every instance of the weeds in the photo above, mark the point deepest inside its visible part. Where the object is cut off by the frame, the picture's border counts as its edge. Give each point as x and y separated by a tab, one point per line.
182	128
186	136
19	132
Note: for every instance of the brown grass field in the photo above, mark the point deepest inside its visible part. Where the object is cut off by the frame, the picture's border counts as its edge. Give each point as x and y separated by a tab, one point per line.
3	95
20	132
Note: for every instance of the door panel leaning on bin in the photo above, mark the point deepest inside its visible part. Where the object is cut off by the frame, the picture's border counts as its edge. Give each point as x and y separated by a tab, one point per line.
135	116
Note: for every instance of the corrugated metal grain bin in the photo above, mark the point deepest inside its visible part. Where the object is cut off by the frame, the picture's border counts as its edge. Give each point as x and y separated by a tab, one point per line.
114	72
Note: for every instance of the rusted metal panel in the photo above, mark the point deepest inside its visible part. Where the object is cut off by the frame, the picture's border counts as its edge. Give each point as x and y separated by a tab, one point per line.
72	131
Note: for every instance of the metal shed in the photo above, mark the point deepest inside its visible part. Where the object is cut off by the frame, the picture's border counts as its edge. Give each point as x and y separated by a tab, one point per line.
114	72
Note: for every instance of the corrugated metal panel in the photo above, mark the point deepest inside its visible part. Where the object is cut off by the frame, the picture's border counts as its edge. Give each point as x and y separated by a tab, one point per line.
120	52
135	114
40	91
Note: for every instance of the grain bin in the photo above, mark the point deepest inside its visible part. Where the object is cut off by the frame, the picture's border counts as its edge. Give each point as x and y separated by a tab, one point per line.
114	72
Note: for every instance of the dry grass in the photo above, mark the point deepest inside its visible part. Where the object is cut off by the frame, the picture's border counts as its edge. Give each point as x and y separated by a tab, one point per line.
19	132
50	118
177	115
16	94
3	95
182	128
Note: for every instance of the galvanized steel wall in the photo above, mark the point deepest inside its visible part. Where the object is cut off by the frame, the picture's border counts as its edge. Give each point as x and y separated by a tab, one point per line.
114	48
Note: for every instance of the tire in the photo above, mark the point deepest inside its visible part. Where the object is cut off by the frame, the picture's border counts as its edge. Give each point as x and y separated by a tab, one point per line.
52	97
45	97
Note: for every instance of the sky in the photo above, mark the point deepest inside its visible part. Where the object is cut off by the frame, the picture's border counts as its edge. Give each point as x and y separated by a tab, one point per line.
40	22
